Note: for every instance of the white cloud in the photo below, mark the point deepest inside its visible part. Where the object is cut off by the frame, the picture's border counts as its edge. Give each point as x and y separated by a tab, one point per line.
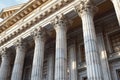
21	1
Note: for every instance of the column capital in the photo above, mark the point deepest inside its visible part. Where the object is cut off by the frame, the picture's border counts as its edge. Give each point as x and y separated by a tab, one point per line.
5	52
39	33
20	43
60	22
86	6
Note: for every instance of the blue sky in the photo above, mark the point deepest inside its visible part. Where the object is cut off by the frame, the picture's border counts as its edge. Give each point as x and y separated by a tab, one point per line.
7	3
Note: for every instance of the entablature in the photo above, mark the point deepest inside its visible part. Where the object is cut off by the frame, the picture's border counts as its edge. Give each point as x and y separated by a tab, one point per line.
21	13
39	17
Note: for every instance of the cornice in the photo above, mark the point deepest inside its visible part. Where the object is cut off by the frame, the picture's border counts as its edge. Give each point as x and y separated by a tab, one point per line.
10	10
35	20
15	7
22	12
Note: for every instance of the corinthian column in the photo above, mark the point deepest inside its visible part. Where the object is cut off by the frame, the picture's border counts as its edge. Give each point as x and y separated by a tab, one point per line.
116	4
37	68
86	11
19	60
5	65
61	48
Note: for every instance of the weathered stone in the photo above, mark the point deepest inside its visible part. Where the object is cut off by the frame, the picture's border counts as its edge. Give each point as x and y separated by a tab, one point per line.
5	65
19	60
86	11
61	48
37	67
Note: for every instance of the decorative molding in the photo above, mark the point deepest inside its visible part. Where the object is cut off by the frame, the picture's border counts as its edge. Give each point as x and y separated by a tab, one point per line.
35	20
25	9
86	6
61	21
5	52
20	43
39	33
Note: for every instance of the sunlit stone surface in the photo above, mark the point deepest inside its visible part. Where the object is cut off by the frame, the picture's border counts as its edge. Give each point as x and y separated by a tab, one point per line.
60	40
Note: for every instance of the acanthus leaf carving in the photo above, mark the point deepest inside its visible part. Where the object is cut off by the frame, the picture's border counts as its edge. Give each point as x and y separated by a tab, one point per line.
5	52
60	22
86	6
39	33
20	43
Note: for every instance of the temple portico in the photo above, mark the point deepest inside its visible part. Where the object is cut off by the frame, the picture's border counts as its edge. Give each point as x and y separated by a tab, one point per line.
61	40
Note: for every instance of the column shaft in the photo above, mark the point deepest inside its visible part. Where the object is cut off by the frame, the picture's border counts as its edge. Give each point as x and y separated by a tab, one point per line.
61	56
73	65
91	51
61	48
116	4
19	62
51	67
5	66
103	57
37	68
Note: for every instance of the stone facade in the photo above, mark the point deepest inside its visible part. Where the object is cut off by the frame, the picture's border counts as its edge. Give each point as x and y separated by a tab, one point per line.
61	40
